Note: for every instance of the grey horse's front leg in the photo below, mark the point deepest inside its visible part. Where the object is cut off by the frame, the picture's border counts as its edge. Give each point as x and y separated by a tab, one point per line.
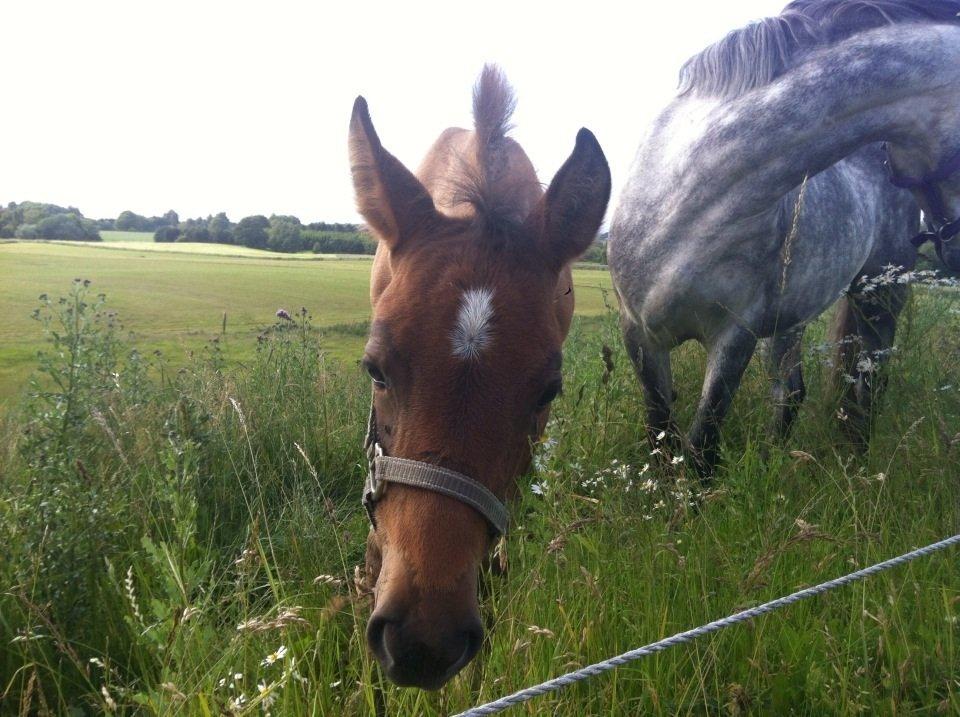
652	366
727	358
785	368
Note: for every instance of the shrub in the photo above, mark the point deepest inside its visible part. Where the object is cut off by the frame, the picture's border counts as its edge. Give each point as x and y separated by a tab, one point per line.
27	231
32	220
221	230
339	243
166	234
596	253
70	227
129	221
194	230
284	235
252	232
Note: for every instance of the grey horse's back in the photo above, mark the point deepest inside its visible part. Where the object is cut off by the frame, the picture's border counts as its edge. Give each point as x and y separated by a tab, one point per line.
846	221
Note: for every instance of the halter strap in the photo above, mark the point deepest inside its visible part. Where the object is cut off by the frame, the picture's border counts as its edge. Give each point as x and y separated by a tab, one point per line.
946	170
383	469
943	234
940	230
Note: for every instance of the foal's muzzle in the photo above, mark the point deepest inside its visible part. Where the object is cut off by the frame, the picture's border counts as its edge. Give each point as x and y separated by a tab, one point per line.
411	658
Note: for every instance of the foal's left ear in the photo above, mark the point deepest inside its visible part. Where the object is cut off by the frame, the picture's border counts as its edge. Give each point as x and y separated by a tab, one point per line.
566	220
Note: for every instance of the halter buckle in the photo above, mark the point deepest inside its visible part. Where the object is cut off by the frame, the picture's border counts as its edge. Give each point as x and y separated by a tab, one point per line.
948	231
373	488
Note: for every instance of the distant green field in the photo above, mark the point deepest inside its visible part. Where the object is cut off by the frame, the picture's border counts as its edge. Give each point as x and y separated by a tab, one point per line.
175	301
111	236
122	240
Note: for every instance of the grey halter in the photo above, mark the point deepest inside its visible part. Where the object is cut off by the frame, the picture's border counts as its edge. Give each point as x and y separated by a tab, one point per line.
383	469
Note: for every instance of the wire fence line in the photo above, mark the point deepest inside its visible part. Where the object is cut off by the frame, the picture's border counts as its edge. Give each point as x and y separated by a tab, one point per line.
583	673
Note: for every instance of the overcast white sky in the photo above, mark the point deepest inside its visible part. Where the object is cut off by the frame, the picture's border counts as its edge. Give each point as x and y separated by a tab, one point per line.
243	107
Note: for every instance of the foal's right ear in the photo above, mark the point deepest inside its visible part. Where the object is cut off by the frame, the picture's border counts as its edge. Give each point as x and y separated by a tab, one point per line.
392	200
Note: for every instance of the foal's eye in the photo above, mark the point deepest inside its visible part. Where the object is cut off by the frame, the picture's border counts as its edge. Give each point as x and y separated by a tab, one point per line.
549	393
376	375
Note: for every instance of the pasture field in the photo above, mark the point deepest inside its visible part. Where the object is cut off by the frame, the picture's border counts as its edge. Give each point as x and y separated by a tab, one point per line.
125	237
181	533
175	301
133	242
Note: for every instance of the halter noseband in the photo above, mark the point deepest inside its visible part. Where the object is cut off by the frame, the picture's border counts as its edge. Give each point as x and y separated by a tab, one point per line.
940	230
383	469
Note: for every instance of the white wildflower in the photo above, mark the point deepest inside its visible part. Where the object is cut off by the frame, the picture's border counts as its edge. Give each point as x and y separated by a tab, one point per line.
237	703
327	580
542	631
108	699
132	595
274	656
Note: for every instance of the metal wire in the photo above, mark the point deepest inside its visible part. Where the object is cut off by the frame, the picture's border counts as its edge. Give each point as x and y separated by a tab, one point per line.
577	675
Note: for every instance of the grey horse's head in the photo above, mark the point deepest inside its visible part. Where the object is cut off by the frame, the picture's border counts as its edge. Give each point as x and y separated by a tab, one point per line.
934	179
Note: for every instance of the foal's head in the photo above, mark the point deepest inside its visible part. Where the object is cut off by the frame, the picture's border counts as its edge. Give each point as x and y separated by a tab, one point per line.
471	299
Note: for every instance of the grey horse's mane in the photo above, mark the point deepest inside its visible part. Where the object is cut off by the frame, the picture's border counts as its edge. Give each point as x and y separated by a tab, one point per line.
757	54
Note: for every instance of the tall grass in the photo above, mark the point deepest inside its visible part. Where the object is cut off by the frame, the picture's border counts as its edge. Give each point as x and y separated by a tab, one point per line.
184	540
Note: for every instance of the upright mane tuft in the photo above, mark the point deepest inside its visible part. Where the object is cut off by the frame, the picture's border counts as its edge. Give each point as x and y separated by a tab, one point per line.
493	105
484	182
757	54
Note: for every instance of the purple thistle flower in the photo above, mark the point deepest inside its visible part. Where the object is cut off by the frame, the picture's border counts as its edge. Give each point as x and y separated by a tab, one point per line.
282	314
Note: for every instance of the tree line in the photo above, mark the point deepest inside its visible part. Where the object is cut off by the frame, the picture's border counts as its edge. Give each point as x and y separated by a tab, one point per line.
35	220
279	232
283	233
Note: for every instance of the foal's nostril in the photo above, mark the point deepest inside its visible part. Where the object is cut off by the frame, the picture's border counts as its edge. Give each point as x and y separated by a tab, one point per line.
473	637
375	637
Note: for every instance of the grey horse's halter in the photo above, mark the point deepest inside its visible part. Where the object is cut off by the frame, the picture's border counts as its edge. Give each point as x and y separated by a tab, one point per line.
940	228
383	469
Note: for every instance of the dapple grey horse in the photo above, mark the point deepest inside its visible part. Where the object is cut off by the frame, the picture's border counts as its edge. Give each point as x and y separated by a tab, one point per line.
760	193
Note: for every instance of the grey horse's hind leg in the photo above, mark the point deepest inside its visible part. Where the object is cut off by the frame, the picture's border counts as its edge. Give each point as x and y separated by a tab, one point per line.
785	368
652	366
727	358
863	331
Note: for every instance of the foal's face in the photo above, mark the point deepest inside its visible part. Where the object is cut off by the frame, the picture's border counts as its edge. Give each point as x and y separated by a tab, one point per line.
464	354
465	361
